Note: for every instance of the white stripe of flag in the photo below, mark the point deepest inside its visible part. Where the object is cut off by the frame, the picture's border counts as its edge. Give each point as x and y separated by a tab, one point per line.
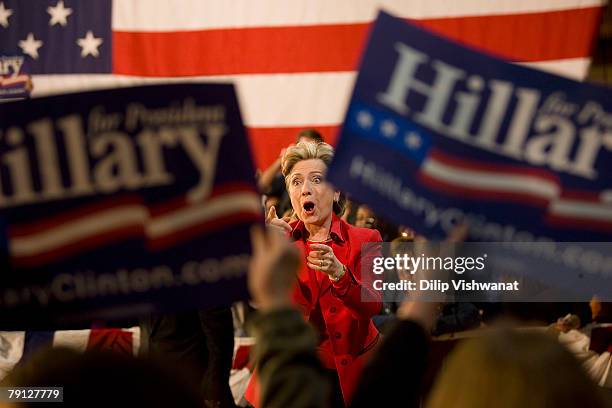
163	15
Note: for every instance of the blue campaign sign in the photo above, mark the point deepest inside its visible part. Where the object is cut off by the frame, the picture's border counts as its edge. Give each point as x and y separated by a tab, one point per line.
437	133
119	203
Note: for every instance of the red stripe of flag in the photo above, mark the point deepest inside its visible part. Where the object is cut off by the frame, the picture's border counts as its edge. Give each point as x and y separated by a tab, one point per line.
333	48
267	143
525	37
116	340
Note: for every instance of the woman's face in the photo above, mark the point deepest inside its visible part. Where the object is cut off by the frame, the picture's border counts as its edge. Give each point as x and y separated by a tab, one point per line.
311	197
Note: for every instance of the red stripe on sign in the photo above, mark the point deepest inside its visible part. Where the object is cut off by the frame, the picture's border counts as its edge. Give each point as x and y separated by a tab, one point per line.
181	202
205	228
563	221
267	143
332	48
490	168
85	211
579	195
475	194
113	237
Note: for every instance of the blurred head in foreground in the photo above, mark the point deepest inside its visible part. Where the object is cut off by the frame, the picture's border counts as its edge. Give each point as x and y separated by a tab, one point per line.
510	369
103	379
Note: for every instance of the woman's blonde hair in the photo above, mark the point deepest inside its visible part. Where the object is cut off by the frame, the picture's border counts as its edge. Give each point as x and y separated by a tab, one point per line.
307	151
509	369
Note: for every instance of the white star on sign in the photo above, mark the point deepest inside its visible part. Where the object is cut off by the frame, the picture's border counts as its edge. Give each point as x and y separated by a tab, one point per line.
412	140
59	14
89	45
30	46
388	128
364	119
4	15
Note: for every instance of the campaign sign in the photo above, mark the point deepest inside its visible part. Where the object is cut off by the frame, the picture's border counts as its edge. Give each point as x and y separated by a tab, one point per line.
123	202
15	82
437	134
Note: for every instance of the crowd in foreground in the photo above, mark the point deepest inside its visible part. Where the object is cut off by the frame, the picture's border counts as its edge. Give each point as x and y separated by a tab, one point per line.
502	369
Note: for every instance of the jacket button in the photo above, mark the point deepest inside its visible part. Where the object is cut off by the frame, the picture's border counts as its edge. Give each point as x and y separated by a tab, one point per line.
332	309
344	362
337	335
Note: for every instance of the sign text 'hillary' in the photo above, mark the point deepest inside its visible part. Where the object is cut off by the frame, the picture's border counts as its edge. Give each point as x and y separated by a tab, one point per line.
108	158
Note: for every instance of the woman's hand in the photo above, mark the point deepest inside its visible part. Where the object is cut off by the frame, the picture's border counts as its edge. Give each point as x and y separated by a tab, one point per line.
322	258
273	268
280	223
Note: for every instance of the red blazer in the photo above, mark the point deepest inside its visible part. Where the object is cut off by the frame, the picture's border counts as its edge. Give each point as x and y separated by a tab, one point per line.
346	306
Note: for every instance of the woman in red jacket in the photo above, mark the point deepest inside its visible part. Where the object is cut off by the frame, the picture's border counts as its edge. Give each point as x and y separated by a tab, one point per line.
334	289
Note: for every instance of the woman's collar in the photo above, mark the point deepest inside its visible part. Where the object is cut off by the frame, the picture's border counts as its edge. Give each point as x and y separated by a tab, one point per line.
336	231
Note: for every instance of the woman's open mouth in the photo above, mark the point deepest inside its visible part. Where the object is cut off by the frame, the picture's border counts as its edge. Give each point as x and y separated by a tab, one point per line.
308	207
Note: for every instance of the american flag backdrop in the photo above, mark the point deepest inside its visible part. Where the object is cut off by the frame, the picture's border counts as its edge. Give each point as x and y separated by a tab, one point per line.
293	61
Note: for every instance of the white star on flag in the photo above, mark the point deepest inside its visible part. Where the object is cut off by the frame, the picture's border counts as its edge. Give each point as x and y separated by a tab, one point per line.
388	128
413	140
364	119
59	14
30	46
89	45
4	15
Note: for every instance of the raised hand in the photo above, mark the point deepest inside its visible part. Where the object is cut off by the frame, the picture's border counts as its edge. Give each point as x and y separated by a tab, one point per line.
424	309
280	223
273	268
